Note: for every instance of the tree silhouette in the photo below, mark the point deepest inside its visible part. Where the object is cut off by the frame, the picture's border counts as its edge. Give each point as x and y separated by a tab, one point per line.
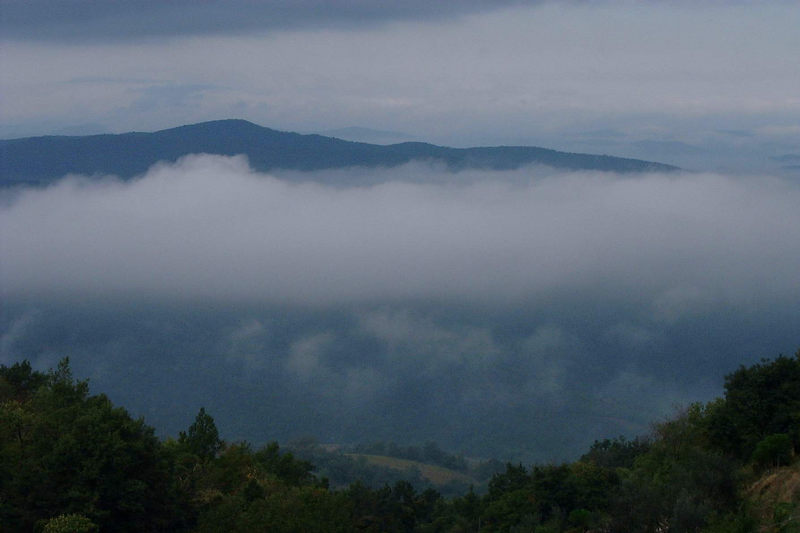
202	438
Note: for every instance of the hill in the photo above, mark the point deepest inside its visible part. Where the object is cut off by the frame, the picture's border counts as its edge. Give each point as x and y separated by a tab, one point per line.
40	160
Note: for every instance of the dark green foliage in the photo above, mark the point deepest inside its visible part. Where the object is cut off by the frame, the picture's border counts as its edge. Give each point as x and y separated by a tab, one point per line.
679	481
73	462
760	400
773	450
616	453
514	478
280	509
238	489
19	381
547	495
202	438
65	452
582	519
397	508
786	518
284	465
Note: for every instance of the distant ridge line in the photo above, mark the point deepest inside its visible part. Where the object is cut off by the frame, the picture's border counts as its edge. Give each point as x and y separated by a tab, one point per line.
43	159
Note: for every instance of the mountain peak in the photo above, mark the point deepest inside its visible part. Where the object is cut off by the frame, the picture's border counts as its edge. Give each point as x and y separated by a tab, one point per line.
45	159
226	124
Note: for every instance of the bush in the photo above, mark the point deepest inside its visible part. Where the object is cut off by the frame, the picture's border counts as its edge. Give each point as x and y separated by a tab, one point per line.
70	523
773	450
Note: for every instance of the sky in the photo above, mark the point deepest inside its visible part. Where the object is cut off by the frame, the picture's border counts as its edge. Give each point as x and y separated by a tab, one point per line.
513	314
707	85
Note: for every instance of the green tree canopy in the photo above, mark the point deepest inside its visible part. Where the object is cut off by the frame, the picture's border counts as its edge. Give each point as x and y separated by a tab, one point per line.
65	452
202	437
760	400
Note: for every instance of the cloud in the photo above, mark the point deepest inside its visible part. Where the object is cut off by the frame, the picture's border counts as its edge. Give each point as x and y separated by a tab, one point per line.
246	343
210	228
86	21
523	74
16	331
550	308
422	345
305	356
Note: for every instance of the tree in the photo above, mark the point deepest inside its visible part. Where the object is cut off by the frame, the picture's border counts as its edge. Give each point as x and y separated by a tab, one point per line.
773	450
202	438
19	381
760	400
65	452
284	465
616	453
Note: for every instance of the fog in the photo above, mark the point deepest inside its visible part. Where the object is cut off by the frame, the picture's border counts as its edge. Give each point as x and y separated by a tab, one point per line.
520	314
209	227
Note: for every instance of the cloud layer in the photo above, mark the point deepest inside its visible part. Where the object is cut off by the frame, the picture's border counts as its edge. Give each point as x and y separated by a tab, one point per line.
209	227
86	21
556	74
512	314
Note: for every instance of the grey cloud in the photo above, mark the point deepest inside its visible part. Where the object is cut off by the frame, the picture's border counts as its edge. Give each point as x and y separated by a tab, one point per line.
549	308
305	356
631	335
427	346
210	228
545	376
546	353
86	21
246	343
15	331
519	75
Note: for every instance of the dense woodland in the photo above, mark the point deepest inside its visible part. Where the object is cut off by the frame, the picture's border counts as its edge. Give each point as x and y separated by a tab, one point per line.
72	461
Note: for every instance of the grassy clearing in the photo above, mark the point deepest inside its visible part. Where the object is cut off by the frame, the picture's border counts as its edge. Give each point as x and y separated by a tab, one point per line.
437	475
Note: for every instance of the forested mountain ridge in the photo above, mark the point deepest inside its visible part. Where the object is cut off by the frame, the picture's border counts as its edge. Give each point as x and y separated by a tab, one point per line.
39	160
70	461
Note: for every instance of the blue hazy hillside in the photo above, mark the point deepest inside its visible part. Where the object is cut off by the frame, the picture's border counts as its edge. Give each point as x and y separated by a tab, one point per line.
44	159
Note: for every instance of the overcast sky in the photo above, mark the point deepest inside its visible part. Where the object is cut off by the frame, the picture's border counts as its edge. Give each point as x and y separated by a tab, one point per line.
600	76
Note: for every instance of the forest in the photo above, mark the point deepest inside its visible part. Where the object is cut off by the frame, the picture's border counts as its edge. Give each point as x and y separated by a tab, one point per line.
71	461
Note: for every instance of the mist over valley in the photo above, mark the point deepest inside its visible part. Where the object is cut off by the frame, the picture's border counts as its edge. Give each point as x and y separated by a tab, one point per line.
518	314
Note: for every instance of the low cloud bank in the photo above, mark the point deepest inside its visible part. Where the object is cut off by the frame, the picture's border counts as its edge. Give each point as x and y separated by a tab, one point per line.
209	227
511	314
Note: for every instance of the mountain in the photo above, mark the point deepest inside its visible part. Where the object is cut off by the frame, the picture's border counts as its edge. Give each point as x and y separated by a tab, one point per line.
39	160
367	135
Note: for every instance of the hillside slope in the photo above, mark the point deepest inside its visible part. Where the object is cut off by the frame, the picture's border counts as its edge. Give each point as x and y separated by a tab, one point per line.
775	498
39	160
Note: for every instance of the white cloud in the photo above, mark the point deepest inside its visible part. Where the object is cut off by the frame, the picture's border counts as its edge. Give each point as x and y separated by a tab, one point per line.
210	228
